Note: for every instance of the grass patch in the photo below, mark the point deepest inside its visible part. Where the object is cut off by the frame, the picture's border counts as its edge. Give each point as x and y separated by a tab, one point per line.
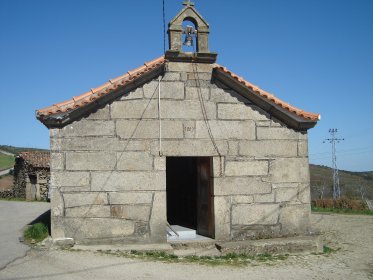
328	250
231	259
35	233
6	161
342	211
13	199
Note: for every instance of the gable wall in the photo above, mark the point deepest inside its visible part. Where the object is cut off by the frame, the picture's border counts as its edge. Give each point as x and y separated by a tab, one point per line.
108	177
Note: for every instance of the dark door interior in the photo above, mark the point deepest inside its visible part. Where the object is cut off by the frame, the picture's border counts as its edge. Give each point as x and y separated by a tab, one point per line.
189	193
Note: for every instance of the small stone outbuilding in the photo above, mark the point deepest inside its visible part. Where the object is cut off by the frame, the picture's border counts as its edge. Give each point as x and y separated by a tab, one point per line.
179	140
31	175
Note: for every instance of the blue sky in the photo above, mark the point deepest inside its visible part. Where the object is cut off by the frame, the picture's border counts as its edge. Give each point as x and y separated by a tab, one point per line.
314	54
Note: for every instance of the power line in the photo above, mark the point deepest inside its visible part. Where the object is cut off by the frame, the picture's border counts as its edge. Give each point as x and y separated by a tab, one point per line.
164	29
334	140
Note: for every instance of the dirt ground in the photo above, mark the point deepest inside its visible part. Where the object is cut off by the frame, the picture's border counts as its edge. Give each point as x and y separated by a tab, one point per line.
6	182
351	235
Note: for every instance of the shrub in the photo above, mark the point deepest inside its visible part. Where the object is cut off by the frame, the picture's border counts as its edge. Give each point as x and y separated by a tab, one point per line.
342	203
36	233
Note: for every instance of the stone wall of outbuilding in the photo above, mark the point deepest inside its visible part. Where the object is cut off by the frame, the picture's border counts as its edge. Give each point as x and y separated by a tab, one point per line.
108	171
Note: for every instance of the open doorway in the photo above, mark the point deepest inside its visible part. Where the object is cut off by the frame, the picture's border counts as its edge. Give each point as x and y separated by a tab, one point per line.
189	193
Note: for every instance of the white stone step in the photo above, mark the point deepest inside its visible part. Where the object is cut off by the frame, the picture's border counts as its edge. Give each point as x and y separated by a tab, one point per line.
182	232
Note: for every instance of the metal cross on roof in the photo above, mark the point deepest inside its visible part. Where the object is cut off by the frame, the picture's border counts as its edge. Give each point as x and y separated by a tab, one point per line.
188	3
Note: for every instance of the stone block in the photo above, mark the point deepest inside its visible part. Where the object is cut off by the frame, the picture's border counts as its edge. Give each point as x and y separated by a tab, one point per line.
131	212
88	211
189	67
199	76
189	129
84	198
279	133
128	181
240	111
171	76
218	164
240	186
304	193
276	123
295	219
246	168
151	90
172	90
222	217
148	129
86	230
264	198
135	109
100	114
62	243
286	194
57	203
255	214
130	198
242	199
226	129
195	93
160	163
86	128
263	123
292	170
57	161
158	218
69	179
226	96
268	148
198	83
134	94
90	161
132	161
89	143
233	147
285	185
57	227
303	148
137	145
187	109
189	147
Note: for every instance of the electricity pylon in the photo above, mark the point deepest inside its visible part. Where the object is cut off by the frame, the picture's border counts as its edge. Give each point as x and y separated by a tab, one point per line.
334	140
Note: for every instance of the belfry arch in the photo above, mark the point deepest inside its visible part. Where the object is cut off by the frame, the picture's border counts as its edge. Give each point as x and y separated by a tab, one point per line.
175	36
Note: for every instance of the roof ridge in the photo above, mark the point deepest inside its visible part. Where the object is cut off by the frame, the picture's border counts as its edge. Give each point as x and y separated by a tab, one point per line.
271	97
95	93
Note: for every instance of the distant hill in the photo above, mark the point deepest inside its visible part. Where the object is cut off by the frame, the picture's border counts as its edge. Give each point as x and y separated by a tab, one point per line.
6	161
17	150
350	182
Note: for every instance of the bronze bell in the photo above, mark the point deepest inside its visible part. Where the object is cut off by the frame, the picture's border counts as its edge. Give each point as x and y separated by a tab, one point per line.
189	31
188	41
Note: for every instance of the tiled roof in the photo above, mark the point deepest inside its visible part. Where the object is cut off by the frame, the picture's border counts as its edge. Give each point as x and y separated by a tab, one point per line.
95	93
36	159
130	76
270	97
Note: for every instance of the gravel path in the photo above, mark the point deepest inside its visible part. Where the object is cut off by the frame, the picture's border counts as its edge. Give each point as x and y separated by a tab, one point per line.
354	260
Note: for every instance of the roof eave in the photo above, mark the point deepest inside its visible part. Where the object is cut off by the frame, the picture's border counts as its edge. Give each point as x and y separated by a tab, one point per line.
292	120
59	120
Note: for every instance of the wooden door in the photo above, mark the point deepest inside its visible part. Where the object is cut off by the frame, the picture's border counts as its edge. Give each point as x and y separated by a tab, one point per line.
205	213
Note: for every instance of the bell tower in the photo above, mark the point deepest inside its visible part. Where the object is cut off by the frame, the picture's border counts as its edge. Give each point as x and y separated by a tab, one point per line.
196	37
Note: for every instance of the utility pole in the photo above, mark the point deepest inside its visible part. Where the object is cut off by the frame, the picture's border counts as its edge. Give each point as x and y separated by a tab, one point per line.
334	140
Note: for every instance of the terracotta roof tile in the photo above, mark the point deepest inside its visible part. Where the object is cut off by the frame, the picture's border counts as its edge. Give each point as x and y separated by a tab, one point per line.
269	96
93	94
36	159
113	84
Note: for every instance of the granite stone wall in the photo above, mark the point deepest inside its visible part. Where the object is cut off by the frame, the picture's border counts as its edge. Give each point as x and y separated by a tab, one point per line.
108	170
